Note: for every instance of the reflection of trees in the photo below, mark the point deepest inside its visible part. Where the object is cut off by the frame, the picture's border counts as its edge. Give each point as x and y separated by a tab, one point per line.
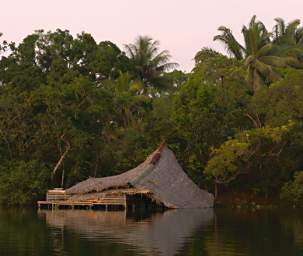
186	233
56	236
162	234
240	232
293	226
21	233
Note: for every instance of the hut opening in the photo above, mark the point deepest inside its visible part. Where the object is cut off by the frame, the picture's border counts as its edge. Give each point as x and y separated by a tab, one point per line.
157	183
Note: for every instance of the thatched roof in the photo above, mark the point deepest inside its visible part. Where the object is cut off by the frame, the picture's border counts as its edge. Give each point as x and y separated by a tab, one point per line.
161	174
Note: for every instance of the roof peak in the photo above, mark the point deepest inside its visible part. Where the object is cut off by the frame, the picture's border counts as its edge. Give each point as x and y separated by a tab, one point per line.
157	154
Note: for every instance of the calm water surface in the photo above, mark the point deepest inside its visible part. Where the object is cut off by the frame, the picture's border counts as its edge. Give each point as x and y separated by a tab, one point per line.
180	232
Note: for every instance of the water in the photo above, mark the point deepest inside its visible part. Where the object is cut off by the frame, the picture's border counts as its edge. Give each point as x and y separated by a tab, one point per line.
179	232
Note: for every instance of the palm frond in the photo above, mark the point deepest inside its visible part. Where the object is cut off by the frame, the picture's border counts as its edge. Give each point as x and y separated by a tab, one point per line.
233	47
265	50
277	61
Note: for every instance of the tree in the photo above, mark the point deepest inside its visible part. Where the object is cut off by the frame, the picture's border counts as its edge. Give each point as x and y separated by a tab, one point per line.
260	55
207	109
289	38
246	152
289	34
292	191
149	64
23	182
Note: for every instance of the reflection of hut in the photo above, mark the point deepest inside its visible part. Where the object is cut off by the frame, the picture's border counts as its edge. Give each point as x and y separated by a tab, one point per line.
159	180
161	234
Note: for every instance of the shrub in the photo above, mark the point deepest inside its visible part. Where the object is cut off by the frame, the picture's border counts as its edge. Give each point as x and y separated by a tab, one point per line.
293	191
22	182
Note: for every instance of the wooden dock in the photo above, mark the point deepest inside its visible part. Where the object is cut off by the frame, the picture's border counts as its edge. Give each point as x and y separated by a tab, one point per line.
107	203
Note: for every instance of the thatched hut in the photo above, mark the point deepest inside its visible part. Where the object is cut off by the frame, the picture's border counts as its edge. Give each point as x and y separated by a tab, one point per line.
159	178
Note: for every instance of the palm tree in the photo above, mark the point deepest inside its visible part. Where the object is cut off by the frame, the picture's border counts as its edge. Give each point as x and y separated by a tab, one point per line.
289	38
290	33
260	55
149	63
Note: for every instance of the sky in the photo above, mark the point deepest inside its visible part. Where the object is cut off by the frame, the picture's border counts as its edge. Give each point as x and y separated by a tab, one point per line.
182	26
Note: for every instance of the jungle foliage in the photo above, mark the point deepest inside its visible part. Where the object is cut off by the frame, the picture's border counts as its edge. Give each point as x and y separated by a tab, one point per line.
71	107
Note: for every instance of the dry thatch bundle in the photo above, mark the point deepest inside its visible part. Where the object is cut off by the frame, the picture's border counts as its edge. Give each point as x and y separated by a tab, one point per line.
160	174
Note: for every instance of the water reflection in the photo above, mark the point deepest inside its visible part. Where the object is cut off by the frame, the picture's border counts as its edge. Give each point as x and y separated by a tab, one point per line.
250	233
159	234
180	233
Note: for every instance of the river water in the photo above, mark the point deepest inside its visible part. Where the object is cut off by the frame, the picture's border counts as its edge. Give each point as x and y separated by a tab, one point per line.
174	232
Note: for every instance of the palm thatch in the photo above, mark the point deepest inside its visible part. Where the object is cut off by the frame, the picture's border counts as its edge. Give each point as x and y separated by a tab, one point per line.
160	174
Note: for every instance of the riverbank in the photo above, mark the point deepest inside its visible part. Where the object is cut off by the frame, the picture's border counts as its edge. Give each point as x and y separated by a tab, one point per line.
248	200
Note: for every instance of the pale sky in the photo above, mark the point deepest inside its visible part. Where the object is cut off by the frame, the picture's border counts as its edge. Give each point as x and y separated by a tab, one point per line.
182	26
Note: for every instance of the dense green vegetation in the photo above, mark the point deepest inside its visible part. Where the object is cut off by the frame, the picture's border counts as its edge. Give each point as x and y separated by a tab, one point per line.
71	108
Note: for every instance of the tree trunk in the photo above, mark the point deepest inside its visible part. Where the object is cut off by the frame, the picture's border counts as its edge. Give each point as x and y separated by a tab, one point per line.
62	178
216	190
96	164
61	159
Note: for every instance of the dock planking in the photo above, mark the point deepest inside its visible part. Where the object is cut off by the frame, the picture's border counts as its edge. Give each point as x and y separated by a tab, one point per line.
104	203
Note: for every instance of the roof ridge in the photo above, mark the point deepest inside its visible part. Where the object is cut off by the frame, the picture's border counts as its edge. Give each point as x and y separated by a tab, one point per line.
155	157
157	154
